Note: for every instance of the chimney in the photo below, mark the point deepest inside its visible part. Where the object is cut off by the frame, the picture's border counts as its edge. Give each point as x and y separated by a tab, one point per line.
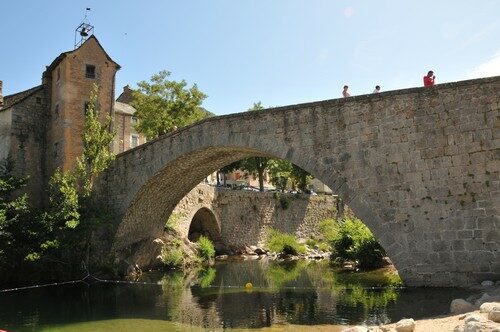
1	94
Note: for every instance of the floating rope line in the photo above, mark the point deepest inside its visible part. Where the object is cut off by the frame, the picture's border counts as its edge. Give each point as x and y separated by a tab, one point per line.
88	279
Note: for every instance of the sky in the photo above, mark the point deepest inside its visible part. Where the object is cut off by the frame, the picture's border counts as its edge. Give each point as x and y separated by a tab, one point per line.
279	52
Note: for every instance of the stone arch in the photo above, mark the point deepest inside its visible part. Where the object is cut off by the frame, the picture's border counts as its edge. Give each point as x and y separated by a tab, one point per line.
204	223
398	159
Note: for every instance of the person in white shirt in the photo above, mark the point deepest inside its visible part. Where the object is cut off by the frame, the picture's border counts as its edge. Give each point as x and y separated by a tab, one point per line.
377	89
345	94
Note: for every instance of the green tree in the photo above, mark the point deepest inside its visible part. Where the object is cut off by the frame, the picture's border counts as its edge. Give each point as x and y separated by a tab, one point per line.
14	236
280	171
97	138
163	104
300	178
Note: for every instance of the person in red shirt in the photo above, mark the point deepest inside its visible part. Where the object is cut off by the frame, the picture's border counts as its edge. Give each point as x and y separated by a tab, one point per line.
429	79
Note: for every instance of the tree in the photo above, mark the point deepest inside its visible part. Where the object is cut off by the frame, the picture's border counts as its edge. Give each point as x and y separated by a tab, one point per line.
300	177
256	166
279	172
14	236
97	138
163	104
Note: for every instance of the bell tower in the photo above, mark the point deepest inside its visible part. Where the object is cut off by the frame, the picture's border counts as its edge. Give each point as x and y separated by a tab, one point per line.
83	31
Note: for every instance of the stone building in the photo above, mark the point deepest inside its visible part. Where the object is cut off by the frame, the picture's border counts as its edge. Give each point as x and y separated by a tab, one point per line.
41	128
124	120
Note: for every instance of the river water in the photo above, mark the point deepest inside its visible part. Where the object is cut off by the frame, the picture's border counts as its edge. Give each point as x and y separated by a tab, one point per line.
299	293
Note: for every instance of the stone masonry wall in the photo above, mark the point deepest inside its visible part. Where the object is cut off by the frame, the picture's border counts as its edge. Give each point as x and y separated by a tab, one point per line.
28	142
243	216
420	166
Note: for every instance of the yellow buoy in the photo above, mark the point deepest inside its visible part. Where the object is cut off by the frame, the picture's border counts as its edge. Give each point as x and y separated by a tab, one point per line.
248	285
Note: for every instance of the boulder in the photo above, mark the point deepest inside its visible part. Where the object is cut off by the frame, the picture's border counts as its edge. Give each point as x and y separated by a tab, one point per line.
405	325
484	298
221	257
487	283
260	251
474	318
494	315
488	306
473	327
460	306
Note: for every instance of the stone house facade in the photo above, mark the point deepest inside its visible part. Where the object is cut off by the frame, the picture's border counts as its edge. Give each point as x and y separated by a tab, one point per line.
41	128
124	120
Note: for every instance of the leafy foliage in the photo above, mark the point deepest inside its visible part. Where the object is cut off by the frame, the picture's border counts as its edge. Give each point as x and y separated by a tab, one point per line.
163	104
356	242
14	211
206	249
97	139
206	276
283	243
171	254
329	229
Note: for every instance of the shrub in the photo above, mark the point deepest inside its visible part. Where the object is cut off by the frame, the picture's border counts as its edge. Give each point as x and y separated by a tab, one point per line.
356	242
206	250
283	243
329	228
171	254
311	242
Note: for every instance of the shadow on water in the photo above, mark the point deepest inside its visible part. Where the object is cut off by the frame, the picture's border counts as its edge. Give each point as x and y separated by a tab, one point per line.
299	292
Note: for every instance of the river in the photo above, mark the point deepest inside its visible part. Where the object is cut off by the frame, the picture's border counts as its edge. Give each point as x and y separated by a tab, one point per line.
298	292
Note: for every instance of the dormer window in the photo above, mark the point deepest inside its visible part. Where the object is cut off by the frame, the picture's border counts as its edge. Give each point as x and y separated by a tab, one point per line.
90	71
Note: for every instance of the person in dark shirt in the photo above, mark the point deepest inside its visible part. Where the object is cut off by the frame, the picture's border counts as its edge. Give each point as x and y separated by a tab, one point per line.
429	79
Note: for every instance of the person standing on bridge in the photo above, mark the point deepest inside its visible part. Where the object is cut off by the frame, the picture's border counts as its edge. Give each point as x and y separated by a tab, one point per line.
429	79
345	94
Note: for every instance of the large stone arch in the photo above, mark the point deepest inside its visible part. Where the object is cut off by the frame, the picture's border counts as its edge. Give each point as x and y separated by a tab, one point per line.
419	166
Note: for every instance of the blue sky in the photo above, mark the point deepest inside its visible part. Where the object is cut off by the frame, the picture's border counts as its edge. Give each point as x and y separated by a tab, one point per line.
280	52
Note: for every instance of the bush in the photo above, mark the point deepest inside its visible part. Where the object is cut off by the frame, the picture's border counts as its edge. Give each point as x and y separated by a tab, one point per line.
356	242
206	250
283	243
171	254
329	228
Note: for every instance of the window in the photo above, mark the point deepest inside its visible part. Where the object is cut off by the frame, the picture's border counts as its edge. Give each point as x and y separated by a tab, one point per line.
90	71
56	111
134	120
58	73
134	141
38	100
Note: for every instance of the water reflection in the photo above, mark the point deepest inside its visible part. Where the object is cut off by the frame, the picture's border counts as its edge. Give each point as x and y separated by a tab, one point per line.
298	292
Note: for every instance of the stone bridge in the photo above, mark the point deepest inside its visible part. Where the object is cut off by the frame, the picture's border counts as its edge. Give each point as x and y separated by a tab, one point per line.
419	166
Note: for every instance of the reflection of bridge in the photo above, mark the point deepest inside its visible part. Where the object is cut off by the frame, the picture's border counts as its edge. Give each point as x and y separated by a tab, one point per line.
419	166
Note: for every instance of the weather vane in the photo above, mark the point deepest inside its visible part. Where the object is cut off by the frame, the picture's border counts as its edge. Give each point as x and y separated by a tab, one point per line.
83	31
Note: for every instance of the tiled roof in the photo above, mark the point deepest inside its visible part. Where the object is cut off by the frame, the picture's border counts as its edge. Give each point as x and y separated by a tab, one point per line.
15	98
124	108
64	54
